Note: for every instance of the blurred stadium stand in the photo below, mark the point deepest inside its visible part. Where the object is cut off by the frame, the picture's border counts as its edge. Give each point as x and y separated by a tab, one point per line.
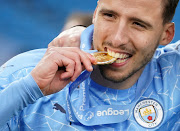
32	24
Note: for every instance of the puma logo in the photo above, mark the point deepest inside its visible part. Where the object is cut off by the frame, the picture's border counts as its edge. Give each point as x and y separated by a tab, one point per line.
59	107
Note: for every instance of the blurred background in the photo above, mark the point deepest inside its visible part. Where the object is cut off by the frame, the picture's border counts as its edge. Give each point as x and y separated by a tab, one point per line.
32	24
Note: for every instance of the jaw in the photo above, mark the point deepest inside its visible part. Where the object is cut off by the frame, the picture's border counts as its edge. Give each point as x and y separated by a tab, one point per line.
111	79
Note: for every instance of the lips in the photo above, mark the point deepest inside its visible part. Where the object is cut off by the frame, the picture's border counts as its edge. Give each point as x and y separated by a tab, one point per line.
122	57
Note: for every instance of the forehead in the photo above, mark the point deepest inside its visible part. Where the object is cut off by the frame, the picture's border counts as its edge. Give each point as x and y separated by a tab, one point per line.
147	9
138	5
134	2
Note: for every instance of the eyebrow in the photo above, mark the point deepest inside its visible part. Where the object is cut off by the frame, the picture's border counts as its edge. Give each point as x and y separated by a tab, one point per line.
141	21
108	11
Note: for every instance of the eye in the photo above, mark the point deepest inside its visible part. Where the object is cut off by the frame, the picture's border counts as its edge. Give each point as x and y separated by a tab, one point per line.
139	24
108	16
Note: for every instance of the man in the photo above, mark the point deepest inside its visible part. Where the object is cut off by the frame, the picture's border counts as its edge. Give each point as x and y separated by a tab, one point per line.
139	91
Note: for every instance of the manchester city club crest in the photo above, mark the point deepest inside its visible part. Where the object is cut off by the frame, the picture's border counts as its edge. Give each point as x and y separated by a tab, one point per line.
148	113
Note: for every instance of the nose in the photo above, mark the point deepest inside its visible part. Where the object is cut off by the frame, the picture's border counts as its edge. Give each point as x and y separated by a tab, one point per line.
120	35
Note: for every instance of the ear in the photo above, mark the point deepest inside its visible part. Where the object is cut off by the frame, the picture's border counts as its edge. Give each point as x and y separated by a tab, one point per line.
168	33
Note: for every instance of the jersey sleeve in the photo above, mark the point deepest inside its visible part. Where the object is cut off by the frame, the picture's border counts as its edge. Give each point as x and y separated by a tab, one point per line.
17	88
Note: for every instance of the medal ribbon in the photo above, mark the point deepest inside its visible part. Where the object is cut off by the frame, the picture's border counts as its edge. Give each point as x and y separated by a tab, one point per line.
103	114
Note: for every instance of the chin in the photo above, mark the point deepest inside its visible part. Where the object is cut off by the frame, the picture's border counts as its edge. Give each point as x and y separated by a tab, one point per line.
111	75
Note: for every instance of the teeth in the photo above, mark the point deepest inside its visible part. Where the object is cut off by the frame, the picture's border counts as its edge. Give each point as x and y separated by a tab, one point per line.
109	52
120	60
117	55
113	54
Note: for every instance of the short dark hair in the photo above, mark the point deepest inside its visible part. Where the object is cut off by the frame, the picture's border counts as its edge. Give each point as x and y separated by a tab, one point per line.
169	10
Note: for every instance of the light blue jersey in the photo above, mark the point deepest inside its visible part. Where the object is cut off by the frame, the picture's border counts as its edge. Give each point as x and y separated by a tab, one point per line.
152	103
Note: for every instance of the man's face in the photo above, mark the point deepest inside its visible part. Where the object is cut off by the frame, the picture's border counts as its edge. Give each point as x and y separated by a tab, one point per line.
129	30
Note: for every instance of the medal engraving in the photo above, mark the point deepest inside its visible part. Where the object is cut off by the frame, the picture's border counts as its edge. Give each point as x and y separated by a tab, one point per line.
103	58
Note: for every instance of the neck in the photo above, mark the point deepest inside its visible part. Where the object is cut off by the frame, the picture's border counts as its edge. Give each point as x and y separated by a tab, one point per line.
128	83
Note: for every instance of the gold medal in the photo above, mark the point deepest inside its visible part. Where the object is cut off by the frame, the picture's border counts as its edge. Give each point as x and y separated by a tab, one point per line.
103	58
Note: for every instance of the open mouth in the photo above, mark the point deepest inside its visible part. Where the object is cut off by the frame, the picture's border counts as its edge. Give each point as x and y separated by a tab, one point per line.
121	57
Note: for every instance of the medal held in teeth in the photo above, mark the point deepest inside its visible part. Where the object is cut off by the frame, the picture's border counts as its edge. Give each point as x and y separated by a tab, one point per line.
103	58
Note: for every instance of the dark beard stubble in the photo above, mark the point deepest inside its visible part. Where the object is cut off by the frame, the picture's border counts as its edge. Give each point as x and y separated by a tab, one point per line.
145	61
